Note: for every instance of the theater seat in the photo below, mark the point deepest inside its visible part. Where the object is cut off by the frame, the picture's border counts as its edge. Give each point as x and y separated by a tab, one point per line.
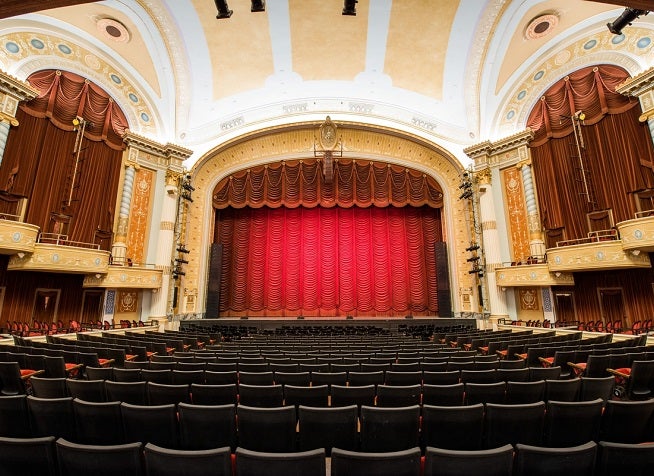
168	462
99	460
28	456
540	461
256	463
392	463
492	462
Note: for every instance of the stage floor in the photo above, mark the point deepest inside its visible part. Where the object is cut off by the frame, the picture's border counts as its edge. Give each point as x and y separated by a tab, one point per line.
392	324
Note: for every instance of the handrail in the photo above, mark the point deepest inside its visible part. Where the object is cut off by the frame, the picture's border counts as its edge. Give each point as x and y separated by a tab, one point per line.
10	217
62	240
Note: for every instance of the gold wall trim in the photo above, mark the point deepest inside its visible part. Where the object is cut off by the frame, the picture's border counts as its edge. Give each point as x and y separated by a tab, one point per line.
530	276
594	257
125	277
17	237
61	259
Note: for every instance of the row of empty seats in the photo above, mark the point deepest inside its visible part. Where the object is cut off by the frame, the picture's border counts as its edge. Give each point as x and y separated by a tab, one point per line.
153	393
291	428
47	457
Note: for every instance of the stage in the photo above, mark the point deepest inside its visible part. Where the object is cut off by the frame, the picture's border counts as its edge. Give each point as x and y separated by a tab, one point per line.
390	324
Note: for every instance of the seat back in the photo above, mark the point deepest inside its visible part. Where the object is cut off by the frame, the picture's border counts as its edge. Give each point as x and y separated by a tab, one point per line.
572	423
155	424
267	429
627	421
541	461
519	423
98	423
170	462
214	394
389	429
28	456
453	427
624	458
51	416
100	460
443	395
388	463
447	462
328	428
203	427
640	385
49	387
250	463
261	395
128	392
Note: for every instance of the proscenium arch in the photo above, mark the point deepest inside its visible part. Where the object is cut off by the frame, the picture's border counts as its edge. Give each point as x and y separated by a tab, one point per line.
296	141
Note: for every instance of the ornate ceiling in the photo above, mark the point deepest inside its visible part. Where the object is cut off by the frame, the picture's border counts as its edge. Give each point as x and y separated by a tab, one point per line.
453	72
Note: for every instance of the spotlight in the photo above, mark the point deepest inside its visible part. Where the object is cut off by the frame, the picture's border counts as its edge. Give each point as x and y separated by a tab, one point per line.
350	7
626	17
258	6
472	258
472	248
223	9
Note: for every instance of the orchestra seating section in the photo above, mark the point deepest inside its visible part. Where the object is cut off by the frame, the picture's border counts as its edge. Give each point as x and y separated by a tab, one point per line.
332	400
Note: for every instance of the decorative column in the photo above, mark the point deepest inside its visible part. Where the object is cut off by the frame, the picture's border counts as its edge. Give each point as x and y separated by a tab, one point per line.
12	92
642	87
5	124
165	244
536	243
490	240
119	246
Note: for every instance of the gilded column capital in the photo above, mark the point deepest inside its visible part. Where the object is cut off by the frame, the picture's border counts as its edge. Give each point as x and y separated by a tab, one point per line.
523	163
4	117
483	177
173	178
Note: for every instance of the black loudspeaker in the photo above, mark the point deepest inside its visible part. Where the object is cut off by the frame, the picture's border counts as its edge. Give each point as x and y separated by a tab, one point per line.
213	286
443	279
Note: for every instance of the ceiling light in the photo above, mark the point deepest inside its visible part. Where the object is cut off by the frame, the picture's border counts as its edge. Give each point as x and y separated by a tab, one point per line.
626	17
223	9
350	7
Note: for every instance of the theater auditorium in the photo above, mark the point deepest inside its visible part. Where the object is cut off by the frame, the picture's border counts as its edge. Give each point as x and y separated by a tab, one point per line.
326	237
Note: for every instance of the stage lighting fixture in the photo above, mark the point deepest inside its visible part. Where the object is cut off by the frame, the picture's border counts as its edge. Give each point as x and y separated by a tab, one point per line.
182	249
626	17
350	7
258	6
472	258
472	248
223	9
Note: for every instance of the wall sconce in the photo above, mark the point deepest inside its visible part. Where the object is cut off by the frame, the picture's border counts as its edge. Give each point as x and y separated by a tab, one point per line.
21	255
557	274
635	252
503	288
155	290
98	275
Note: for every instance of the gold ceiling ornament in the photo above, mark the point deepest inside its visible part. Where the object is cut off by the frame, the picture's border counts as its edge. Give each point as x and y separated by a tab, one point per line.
328	140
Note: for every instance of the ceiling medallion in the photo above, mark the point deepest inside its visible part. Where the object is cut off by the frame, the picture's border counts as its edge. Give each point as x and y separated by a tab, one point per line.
113	30
541	26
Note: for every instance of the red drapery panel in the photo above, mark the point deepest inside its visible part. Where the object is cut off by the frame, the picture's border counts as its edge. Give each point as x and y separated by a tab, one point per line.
591	90
64	95
328	261
616	151
40	163
301	183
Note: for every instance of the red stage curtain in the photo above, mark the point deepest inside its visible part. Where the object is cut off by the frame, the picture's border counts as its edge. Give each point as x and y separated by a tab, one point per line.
328	261
301	183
